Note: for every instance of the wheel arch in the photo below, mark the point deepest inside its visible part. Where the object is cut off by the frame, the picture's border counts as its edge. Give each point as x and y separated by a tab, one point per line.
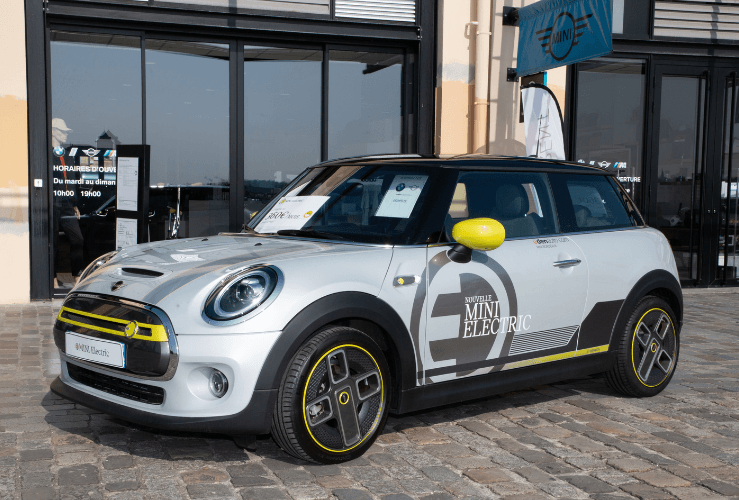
659	283
358	310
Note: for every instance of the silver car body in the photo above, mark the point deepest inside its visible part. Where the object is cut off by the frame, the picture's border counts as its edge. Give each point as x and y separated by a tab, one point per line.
508	309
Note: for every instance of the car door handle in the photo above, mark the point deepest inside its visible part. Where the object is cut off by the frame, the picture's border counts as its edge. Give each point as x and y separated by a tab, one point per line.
567	263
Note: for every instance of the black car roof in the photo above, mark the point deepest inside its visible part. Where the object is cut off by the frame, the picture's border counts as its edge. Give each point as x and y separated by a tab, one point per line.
474	162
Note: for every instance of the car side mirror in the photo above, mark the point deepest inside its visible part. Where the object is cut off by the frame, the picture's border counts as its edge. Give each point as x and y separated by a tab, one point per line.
475	234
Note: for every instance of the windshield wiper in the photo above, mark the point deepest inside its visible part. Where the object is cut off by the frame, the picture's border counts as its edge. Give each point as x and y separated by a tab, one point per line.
309	233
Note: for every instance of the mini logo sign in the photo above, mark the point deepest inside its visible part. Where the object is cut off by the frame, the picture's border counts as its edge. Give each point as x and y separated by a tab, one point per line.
132	328
91	152
562	35
117	286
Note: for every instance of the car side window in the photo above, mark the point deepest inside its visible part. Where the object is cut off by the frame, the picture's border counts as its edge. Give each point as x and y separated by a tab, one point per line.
522	202
588	203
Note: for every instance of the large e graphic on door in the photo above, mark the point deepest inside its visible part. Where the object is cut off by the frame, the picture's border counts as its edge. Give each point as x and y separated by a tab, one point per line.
516	305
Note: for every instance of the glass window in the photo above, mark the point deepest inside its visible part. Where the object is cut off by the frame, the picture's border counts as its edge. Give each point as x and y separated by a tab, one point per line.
388	204
610	118
282	119
521	202
588	203
728	258
187	126
364	112
95	106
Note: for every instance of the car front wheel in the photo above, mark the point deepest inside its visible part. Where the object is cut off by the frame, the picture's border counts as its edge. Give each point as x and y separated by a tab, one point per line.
648	350
333	400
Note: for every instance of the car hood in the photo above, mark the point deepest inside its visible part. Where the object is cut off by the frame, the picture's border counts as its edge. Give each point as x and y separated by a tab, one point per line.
152	271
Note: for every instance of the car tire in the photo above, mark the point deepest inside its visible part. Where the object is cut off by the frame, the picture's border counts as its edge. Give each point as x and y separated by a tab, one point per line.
648	350
333	399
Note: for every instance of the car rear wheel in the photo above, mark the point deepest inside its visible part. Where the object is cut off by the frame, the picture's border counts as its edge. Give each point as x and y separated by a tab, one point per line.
647	351
332	402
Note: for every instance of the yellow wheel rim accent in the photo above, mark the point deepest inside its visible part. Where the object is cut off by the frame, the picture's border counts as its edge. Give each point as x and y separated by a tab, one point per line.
379	412
633	339
344	398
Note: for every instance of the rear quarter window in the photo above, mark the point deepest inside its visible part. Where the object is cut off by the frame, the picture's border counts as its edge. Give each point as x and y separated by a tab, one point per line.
588	203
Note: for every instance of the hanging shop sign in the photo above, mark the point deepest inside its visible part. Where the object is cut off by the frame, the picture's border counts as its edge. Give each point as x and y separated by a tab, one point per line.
555	33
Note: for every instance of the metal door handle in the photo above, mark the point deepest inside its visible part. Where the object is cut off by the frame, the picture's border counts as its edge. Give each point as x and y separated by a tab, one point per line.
567	263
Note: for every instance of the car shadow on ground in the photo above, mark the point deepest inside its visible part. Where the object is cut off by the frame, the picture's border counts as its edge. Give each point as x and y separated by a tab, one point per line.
86	428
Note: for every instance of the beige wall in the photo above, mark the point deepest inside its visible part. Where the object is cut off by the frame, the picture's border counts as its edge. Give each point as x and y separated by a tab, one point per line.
14	264
455	89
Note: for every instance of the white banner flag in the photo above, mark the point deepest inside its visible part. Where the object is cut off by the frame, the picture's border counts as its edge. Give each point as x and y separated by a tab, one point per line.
542	122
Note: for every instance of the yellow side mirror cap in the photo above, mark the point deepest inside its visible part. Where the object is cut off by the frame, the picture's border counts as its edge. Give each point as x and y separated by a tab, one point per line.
479	234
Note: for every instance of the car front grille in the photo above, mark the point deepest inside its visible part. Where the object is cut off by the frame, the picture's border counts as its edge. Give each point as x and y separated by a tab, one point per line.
118	387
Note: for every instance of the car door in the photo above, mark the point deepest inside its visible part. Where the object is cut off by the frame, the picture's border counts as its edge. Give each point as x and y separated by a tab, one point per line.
603	222
518	305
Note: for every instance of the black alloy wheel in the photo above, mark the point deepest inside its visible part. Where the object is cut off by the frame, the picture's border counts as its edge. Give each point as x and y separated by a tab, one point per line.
333	400
648	350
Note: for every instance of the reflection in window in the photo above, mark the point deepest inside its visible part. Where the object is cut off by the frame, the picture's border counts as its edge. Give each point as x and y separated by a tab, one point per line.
187	126
95	106
610	118
728	259
364	103
680	168
282	119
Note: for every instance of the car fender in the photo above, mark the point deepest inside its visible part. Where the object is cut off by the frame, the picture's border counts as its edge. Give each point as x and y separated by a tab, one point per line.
659	279
331	309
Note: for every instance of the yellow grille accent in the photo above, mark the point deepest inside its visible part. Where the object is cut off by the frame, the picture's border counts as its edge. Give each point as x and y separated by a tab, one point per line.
158	332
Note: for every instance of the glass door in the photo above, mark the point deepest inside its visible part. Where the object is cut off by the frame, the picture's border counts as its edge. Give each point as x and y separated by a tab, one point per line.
727	260
679	163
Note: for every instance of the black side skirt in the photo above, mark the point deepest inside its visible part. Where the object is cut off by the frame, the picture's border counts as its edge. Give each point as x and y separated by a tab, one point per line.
470	388
256	418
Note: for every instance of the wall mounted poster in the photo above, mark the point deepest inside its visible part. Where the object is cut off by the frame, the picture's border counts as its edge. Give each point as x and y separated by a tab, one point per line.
125	233
128	184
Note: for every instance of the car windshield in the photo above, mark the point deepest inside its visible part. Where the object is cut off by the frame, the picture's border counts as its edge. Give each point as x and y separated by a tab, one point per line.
385	204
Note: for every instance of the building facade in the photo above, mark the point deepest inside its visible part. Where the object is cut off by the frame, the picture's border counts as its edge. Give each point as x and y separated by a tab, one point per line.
235	97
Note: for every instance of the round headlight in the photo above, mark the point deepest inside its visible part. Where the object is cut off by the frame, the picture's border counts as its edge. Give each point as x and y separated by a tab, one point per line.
241	293
95	264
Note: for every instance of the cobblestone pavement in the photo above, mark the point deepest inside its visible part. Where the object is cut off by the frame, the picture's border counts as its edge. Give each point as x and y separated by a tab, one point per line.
570	440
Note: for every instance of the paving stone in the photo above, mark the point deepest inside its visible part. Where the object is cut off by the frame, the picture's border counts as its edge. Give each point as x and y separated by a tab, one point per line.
32	455
240	481
122	486
246	470
45	493
118	462
206	475
294	476
209	491
722	487
438	496
264	494
396	496
488	476
78	474
630	464
645	492
694	494
589	484
661	479
440	474
351	494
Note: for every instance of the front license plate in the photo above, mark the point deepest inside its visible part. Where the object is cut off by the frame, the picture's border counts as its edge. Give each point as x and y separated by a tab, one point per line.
105	352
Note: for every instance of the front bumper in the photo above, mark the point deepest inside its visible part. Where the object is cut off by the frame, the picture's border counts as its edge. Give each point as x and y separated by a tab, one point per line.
256	418
160	386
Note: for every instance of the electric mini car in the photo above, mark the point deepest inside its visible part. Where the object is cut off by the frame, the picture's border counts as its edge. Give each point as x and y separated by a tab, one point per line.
377	285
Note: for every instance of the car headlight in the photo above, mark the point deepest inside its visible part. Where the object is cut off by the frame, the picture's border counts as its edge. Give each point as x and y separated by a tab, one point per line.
241	293
97	263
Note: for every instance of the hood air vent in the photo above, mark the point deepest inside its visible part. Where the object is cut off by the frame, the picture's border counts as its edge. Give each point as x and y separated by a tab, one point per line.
140	272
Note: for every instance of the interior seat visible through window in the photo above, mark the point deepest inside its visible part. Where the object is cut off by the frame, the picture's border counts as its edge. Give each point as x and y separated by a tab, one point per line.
521	202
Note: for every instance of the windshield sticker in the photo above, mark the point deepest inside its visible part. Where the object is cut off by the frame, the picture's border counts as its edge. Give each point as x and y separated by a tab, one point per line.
291	213
402	196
